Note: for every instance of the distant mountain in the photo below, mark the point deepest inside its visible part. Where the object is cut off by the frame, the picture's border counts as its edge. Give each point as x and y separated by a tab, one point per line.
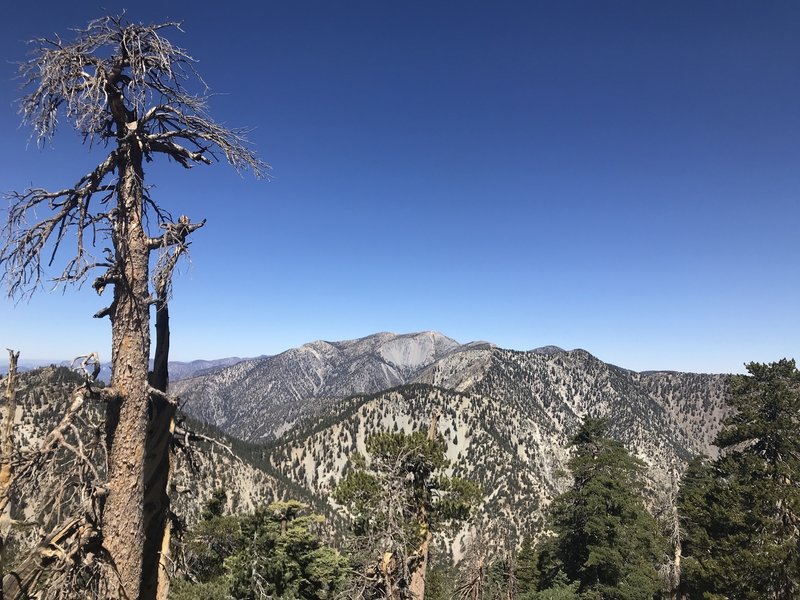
507	416
260	399
177	369
183	370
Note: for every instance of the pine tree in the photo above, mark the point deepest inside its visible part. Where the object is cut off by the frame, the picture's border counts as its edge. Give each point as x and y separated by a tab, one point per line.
742	511
273	552
606	541
397	496
527	566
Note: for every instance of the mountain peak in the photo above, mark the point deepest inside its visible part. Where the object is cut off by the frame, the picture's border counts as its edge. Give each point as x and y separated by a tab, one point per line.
548	350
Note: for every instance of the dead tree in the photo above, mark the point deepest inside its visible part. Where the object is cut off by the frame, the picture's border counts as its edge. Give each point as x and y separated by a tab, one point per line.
670	570
6	452
125	87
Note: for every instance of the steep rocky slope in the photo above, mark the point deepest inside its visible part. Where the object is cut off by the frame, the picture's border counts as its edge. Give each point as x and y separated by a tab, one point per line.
507	416
509	434
260	399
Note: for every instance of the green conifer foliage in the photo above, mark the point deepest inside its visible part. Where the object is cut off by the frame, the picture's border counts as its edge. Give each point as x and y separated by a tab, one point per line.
215	505
742	511
526	567
560	589
606	541
272	553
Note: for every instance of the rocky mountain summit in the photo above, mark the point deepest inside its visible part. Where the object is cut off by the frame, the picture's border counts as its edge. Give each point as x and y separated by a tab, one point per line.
261	399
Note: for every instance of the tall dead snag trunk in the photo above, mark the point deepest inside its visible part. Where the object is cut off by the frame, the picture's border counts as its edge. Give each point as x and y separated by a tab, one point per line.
124	516
162	427
671	570
397	496
124	85
6	452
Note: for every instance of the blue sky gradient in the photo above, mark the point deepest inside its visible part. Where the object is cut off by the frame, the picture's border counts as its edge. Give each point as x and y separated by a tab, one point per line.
618	176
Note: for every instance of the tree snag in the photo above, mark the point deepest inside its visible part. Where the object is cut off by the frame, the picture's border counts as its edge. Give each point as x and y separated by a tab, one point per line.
6	452
122	85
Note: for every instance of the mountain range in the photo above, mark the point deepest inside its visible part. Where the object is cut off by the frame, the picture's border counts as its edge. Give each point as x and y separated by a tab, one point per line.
287	425
177	369
507	416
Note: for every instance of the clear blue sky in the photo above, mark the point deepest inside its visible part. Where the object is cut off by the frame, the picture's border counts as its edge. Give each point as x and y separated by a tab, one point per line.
618	176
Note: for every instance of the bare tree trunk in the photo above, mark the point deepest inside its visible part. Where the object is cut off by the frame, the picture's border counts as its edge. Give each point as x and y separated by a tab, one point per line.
388	566
156	504
162	589
127	416
162	425
675	538
6	450
675	571
417	586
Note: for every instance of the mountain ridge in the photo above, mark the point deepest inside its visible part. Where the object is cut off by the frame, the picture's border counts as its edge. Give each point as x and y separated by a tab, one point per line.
259	399
507	417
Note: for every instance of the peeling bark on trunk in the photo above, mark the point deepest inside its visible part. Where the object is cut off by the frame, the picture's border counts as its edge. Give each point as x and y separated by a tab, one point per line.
417	586
127	416
139	424
6	451
387	567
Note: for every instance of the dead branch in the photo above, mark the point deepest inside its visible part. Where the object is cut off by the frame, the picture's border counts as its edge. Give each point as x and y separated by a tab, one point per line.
67	472
116	80
92	359
186	436
29	249
174	233
70	552
32	462
142	83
